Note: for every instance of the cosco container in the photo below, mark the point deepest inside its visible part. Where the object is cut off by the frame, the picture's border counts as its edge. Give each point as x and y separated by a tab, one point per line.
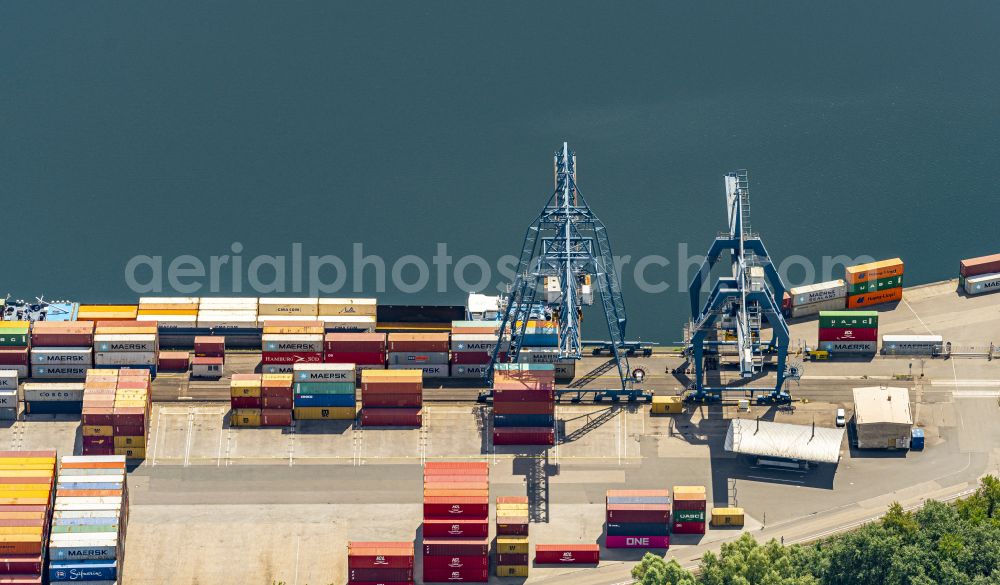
816	293
53	392
985	283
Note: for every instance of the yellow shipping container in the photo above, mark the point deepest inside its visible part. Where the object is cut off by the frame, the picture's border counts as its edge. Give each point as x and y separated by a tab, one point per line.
667	405
278	377
98	430
107	312
29	530
513	545
413	375
244	391
325	413
512	570
294	329
42	473
245	417
126	330
189	310
131	452
727	517
130	441
511	507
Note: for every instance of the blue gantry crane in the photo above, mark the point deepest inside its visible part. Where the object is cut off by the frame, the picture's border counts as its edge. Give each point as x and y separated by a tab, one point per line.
738	306
566	250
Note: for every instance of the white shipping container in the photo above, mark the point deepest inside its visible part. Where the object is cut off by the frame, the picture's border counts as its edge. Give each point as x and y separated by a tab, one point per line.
171	321
538	355
348	323
477	342
276	368
302	307
206	370
841	347
93	459
53	392
984	283
468	370
168	301
290	343
228	304
131	342
324	372
21	371
417	358
62	355
8	378
227	319
264	320
815	293
72	477
61	372
912	344
80	536
125	358
8	399
430	371
837	304
356	307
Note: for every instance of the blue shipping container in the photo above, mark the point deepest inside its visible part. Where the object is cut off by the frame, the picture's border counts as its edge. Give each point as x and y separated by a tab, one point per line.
73	552
53	407
523	420
306	400
88	486
83	571
539	340
112	519
917	439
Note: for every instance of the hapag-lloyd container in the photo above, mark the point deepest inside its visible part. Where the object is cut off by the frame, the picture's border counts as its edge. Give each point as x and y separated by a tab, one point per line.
816	293
646	542
986	283
567	554
873	271
891	295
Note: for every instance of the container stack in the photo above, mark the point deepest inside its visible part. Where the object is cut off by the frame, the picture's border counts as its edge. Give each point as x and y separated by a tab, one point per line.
690	504
8	394
27	479
392	398
325	391
281	351
245	399
874	283
285	327
456	522
523	404
63	350
126	344
348	315
14	340
365	350
276	400
427	351
229	313
53	397
848	332
471	352
169	312
980	275
133	404
209	357
512	521
811	299
385	563
97	420
638	519
87	541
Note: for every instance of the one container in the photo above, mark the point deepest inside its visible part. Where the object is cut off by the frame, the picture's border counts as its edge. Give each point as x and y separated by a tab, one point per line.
644	542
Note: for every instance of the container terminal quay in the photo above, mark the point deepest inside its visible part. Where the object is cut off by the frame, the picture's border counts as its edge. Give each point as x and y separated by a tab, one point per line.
320	440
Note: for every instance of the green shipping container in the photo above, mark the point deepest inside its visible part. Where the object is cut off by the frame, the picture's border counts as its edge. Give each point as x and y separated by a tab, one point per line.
842	319
324	387
689	516
10	339
876	285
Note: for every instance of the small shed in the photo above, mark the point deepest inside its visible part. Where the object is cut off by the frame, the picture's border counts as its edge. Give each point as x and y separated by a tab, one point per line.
882	417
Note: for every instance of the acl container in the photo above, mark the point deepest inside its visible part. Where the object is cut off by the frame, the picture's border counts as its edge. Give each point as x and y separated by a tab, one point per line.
28	480
567	554
389	563
87	541
456	513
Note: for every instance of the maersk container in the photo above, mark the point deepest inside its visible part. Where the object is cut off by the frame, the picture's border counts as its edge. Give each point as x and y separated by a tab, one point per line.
538	355
843	319
429	370
8	379
845	347
292	343
468	370
876	285
62	355
307	372
477	342
55	372
8	398
21	370
912	344
128	343
836	304
125	358
523	420
816	293
540	340
977	285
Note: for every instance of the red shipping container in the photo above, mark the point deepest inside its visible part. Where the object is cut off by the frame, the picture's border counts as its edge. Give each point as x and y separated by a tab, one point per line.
392	387
98	416
276	392
209	346
102	450
245	401
360	559
20	565
380	575
648	542
460	466
279	402
351	342
512	559
380	582
511	528
53	339
523	436
786	302
386	401
274	417
524	407
173	361
454	507
129	416
466	528
472	547
441	475
14	357
638	513
567	554
689	504
456	562
362	358
689	528
448	575
391	417
501	395
855	334
418	342
281	357
980	265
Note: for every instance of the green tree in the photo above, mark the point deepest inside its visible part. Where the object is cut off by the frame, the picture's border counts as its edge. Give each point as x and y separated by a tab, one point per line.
654	570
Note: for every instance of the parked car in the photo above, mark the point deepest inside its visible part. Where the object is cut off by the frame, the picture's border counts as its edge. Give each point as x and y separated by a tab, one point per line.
841	417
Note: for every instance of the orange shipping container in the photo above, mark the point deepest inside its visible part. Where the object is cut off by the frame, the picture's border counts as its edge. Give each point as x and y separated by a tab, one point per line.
874	271
889	295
